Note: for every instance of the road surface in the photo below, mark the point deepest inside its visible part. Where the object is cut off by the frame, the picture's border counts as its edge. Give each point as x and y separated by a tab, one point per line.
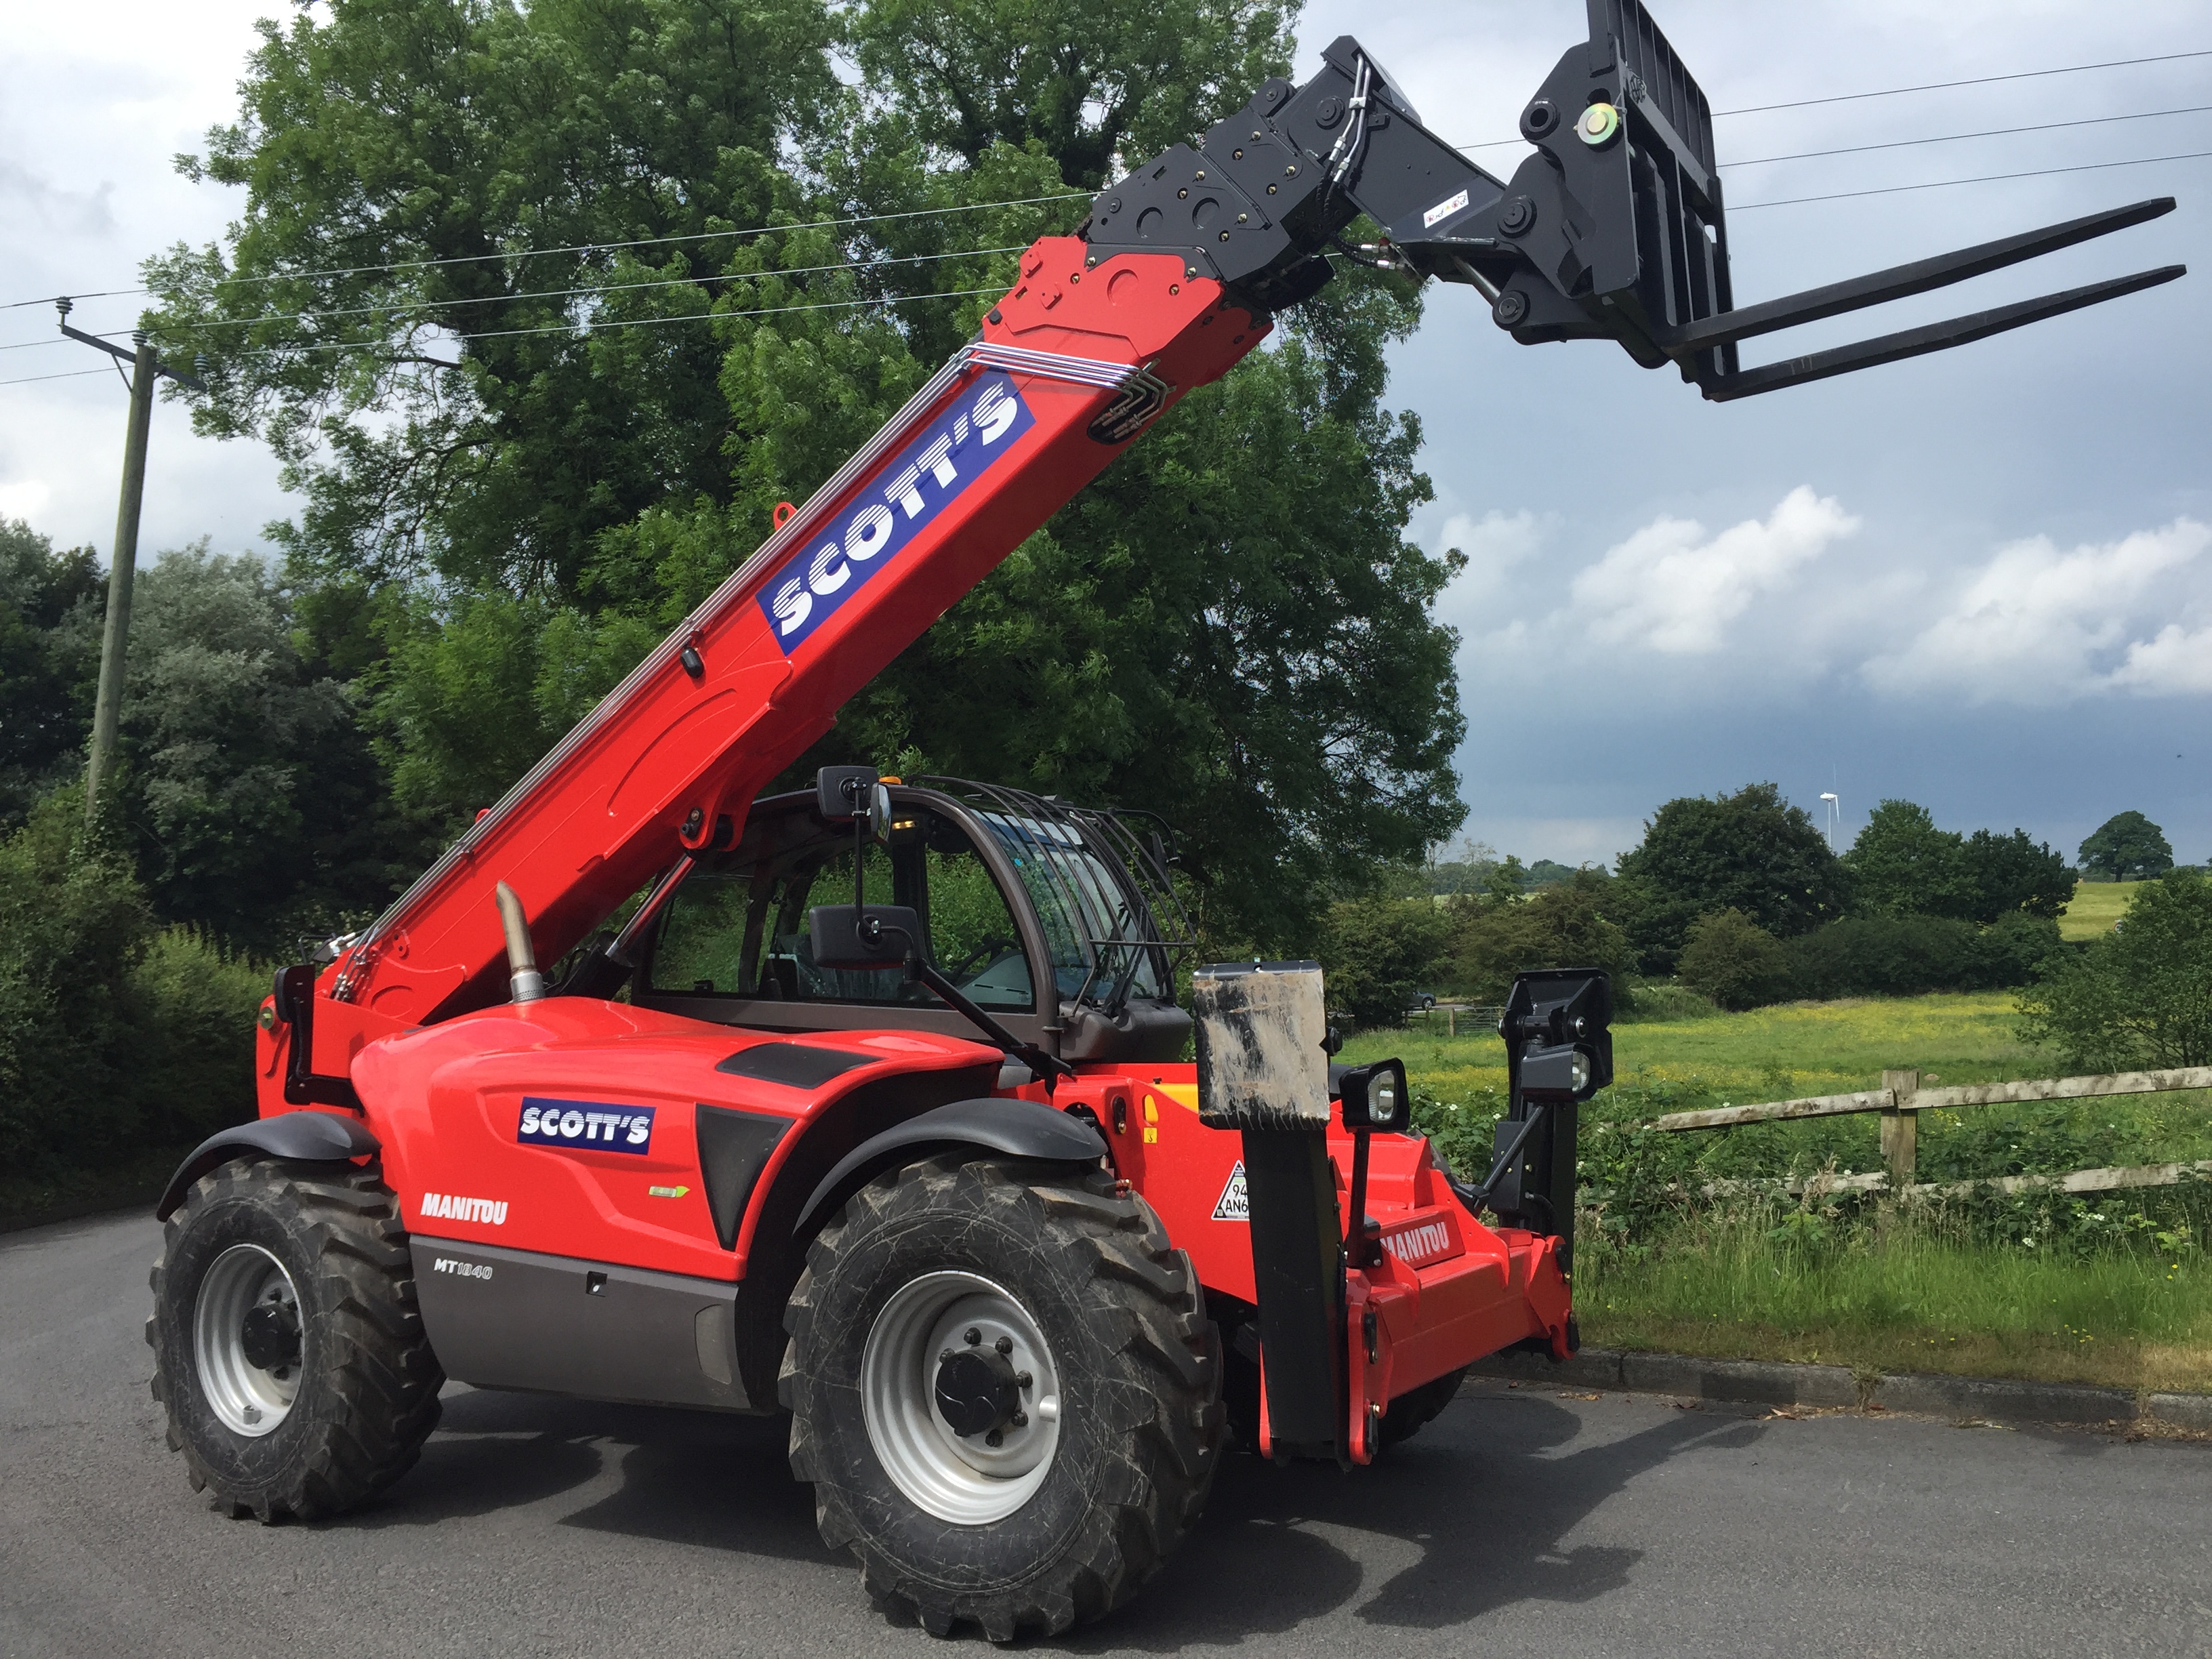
1524	1521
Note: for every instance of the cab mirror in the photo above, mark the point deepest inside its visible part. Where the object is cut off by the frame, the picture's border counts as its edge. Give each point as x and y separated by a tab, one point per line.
862	936
844	792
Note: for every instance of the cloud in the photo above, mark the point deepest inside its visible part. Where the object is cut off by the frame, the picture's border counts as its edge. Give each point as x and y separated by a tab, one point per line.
1494	544
26	499
84	212
2038	626
1672	589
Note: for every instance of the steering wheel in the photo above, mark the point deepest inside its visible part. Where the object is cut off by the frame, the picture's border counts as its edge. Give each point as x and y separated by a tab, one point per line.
988	952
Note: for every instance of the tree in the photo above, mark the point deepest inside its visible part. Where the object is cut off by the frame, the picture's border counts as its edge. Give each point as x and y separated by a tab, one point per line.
2013	875
1570	924
2128	848
1378	952
1750	852
50	609
1732	959
250	800
1230	625
1902	865
2138	998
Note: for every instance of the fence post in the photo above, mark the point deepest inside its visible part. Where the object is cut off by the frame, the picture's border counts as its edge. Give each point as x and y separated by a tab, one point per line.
1451	1021
1901	1128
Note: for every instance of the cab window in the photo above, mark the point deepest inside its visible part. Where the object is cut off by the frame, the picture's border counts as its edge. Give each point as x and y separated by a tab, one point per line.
737	928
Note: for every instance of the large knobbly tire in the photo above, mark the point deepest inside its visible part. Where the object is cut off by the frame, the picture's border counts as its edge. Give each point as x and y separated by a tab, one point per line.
341	1331
1116	1312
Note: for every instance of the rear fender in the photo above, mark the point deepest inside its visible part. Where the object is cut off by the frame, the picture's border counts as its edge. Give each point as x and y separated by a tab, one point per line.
298	1137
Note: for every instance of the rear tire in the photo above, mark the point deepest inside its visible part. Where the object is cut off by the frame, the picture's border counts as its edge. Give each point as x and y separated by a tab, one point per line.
1036	1531
287	1348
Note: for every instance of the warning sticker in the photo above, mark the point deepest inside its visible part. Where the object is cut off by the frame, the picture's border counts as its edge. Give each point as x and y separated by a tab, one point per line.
1235	1203
1444	209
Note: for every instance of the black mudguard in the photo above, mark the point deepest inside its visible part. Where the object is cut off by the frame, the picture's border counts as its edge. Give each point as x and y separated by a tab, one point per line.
1013	1127
300	1137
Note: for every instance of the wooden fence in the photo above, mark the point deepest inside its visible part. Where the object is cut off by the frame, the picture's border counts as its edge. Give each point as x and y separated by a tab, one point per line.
1900	1100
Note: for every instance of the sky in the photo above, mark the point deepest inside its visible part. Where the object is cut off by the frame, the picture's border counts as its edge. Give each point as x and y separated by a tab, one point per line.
1981	581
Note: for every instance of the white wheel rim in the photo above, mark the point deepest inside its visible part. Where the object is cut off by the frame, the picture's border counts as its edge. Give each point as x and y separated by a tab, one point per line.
251	1400
967	1480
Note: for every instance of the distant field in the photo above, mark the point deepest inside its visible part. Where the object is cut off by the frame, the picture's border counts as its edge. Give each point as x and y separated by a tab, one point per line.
2097	905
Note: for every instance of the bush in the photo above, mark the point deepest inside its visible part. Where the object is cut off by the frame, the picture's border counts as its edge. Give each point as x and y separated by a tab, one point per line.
114	1038
1732	959
2139	997
1567	924
1378	952
1907	956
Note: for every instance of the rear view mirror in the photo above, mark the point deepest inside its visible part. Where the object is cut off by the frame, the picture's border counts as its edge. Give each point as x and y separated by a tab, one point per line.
844	792
862	937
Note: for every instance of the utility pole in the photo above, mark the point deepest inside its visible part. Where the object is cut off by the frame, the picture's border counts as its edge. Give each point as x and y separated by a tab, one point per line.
146	367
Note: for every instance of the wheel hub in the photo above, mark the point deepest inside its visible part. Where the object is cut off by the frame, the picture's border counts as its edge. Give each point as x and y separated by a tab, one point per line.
246	1342
978	1390
270	1338
961	1397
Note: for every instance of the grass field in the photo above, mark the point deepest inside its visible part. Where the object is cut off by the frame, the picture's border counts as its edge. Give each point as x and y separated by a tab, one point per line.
1889	1290
2097	905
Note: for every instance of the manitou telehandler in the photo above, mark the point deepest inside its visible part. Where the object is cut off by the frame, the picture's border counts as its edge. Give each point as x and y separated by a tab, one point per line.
874	1107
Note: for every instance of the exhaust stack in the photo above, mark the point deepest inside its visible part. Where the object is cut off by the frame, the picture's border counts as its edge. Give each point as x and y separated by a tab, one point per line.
524	982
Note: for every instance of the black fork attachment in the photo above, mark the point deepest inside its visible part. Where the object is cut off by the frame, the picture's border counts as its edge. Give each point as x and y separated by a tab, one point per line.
1614	228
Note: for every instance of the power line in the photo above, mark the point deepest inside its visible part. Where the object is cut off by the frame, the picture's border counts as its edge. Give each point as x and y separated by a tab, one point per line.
646	322
553	293
72	375
1897	91
1981	179
595	247
1976	81
1988	133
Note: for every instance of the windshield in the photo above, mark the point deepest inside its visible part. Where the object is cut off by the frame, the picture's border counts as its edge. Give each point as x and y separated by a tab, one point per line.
1104	949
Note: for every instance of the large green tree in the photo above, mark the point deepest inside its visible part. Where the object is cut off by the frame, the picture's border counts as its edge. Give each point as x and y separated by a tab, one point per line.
1750	852
2127	846
49	603
1901	865
2139	997
510	488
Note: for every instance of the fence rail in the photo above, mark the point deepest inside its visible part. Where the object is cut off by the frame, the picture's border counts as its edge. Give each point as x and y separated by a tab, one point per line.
1900	1100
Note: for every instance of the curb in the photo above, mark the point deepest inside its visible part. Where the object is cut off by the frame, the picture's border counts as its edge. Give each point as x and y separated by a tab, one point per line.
1769	1382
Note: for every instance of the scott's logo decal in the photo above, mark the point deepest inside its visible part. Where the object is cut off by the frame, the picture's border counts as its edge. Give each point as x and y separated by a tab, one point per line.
835	563
585	1126
445	1207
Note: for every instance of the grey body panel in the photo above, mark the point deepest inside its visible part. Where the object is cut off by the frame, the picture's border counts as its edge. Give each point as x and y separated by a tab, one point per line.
515	1319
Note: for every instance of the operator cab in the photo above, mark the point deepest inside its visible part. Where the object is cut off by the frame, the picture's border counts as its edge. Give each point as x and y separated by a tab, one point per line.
1048	917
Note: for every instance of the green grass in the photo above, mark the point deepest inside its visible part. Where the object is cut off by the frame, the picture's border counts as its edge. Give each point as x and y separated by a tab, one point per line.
2097	905
1893	1289
1903	1296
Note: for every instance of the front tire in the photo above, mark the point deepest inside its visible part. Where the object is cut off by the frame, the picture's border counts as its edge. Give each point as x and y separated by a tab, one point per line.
287	1348
1006	1392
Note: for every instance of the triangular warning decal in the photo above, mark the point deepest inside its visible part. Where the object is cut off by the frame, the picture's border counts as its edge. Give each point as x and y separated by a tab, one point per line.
1235	1203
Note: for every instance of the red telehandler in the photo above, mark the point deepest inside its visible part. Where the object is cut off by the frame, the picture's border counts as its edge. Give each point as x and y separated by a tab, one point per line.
873	1108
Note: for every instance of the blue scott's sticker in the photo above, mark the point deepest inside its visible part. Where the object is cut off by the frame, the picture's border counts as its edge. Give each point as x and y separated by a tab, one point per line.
954	450
585	1126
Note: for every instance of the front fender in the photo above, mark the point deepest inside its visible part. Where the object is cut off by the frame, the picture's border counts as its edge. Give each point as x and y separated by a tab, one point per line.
303	1137
1016	1127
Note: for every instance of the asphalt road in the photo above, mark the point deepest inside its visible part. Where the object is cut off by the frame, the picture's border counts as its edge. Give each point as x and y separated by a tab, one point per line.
1522	1523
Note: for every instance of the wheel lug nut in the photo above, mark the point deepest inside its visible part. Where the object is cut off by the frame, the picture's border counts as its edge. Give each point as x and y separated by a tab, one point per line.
1005	1345
994	1438
974	1336
945	1355
1026	1380
1020	1420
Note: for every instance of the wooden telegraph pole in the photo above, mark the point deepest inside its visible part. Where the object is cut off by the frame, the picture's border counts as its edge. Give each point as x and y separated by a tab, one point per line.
146	367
